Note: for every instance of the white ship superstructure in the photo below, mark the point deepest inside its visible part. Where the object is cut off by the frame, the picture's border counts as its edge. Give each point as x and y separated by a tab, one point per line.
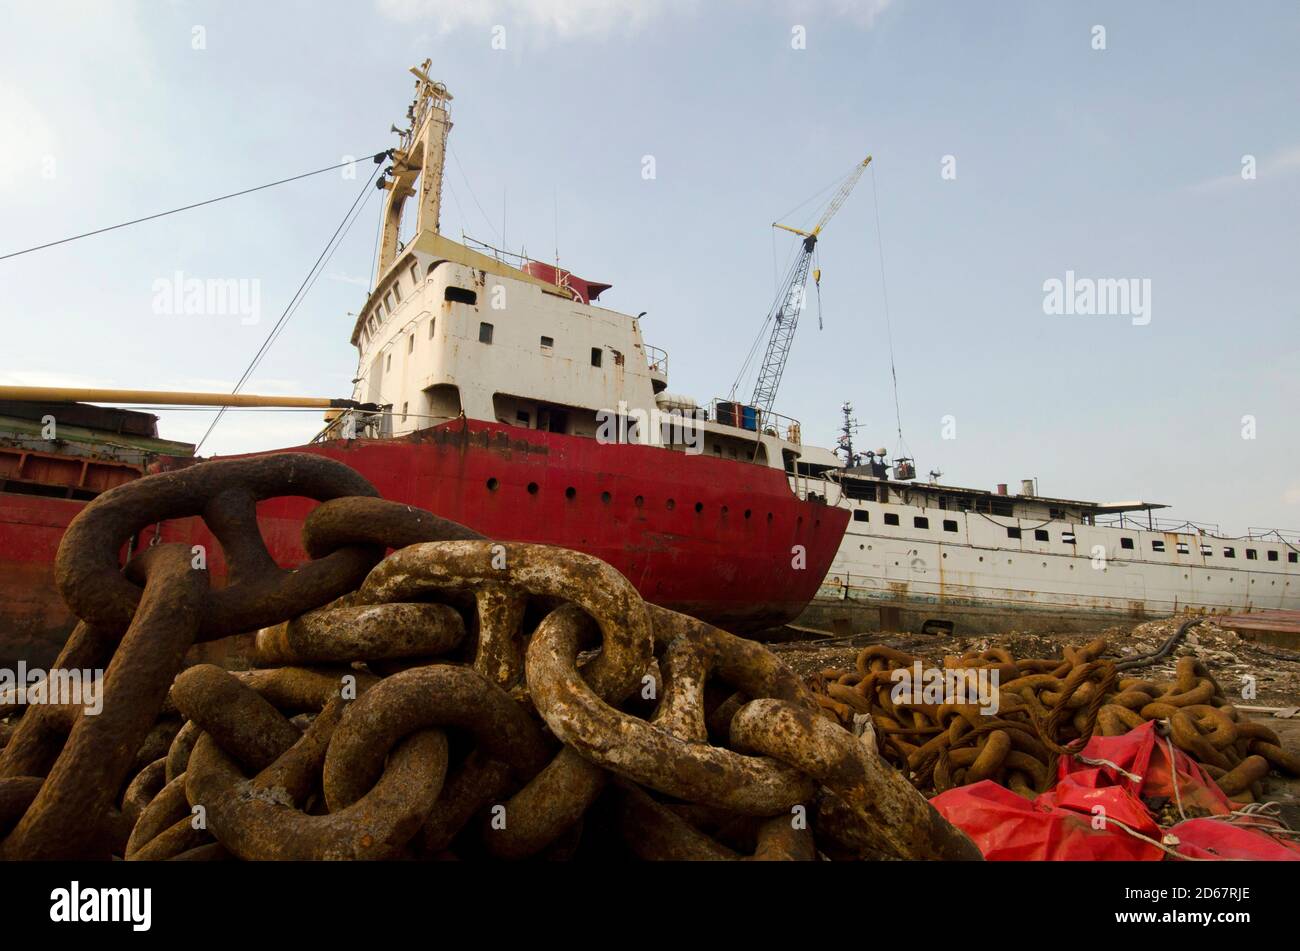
984	561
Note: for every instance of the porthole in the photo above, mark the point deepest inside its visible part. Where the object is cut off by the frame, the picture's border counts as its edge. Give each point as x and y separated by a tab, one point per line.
570	492
532	488
670	505
492	484
748	513
639	501
605	497
699	507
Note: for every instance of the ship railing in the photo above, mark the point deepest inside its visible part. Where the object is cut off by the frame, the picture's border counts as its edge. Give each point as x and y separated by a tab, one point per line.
751	419
1152	524
1288	535
656	359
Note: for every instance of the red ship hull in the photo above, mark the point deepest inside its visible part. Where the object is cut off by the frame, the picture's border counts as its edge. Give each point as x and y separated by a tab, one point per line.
722	540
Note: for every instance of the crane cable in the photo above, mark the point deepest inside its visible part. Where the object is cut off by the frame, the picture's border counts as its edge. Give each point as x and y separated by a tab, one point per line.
889	331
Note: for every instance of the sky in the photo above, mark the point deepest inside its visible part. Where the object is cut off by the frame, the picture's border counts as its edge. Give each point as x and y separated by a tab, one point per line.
1013	143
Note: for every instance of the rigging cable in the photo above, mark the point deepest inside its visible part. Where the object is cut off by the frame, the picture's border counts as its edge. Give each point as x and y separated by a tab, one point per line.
326	253
377	157
884	291
499	235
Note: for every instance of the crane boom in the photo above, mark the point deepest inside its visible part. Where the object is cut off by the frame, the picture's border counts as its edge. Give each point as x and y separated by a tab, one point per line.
784	315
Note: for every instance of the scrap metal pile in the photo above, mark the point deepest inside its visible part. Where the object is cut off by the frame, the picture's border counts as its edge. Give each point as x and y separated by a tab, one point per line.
458	698
1042	709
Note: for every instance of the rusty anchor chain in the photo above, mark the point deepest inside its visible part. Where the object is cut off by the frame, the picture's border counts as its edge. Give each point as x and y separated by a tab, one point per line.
1046	709
457	698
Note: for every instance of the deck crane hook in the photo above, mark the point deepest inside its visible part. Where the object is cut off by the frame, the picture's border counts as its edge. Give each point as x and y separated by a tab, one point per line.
784	315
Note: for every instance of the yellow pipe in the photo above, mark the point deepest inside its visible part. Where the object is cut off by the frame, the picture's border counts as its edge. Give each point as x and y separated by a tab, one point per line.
68	394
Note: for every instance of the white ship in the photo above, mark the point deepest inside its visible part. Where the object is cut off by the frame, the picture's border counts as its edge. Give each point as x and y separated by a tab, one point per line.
920	555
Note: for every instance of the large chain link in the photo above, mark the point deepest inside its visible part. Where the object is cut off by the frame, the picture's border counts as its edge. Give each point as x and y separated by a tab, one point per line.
458	697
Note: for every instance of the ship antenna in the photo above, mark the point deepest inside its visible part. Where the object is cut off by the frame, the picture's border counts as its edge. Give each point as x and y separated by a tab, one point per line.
847	429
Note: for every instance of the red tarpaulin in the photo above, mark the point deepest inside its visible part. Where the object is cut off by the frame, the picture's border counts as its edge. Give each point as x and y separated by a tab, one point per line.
1083	816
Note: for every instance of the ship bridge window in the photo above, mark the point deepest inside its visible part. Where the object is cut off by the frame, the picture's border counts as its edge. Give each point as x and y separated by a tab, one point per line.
1292	558
410	344
1040	534
458	295
920	521
415	274
595	356
397	290
861	515
1055	513
856	490
388	302
1157	545
1207	550
522	419
1013	533
484	333
432	323
1182	548
1251	554
1126	543
1067	538
891	518
1229	553
949	525
1272	555
548	343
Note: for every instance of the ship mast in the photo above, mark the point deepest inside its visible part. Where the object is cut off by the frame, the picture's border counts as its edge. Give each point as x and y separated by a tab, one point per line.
420	156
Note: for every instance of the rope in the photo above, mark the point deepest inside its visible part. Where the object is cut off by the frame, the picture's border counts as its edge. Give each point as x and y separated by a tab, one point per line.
326	253
1144	660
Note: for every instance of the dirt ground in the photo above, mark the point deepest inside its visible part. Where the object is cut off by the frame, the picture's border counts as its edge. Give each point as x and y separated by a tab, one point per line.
1237	664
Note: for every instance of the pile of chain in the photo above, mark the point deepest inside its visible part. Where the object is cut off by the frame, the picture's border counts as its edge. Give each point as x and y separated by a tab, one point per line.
458	698
1043	709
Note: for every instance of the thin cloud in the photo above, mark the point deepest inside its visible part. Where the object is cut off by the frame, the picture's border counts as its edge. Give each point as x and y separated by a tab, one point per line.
348	279
585	19
1284	162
